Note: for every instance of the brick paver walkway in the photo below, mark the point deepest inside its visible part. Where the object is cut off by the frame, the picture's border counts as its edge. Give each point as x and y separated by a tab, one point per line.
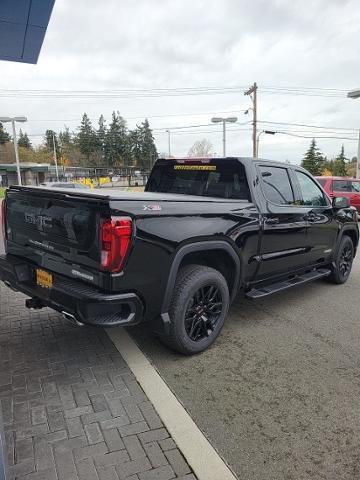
71	407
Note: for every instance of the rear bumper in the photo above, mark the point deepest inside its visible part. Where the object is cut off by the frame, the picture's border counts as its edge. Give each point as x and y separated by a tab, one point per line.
87	305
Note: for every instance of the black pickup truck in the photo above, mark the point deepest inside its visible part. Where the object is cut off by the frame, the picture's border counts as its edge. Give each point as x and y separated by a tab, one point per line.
177	254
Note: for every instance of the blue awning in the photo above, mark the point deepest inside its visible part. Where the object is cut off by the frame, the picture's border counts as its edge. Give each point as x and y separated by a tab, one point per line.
23	26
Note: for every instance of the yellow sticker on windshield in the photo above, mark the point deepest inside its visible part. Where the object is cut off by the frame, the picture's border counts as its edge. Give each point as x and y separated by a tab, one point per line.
195	167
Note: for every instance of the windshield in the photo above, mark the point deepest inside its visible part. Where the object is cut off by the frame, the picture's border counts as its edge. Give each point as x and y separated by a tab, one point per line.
210	180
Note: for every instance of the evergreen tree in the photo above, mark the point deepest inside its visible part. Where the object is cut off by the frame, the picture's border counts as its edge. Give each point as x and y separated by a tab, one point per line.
4	136
143	149
135	144
313	160
67	149
65	138
101	139
86	139
50	136
339	164
149	152
117	141
23	140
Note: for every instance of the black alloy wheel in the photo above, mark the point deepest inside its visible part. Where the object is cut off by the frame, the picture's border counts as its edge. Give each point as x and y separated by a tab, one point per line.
203	312
345	260
198	309
342	265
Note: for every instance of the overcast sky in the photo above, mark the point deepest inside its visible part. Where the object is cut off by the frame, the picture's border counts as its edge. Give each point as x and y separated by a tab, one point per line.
148	44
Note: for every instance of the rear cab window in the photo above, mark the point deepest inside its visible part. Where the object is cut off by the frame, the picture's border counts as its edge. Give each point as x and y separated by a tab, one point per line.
209	179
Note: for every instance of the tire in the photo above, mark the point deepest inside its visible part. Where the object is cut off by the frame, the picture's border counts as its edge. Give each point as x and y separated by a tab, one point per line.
343	262
198	309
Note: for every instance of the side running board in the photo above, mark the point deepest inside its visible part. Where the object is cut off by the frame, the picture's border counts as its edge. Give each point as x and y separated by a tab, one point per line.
285	284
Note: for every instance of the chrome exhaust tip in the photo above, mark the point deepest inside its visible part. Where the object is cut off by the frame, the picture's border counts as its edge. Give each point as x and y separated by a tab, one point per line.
72	319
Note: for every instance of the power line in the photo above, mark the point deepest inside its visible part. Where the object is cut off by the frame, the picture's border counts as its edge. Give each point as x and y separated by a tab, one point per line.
307	125
306	88
143	116
312	136
179	91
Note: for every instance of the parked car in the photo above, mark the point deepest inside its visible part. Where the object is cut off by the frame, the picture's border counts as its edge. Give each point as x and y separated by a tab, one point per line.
64	185
342	187
177	254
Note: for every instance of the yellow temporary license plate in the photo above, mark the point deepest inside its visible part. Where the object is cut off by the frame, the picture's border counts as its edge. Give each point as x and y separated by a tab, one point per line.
44	279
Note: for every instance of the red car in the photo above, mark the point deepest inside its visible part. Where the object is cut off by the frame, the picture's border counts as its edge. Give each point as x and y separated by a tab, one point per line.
342	187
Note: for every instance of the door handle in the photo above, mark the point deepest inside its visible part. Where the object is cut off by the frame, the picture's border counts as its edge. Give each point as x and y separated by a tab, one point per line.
310	217
272	221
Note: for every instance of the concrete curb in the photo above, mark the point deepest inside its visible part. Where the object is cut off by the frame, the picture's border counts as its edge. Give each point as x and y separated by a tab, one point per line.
199	453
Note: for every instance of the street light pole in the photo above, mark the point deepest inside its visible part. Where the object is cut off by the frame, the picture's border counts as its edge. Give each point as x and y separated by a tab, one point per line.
354	94
224	121
224	137
12	120
16	151
55	157
169	143
268	132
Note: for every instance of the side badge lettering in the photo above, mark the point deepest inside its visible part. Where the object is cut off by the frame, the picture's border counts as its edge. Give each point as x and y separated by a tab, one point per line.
152	207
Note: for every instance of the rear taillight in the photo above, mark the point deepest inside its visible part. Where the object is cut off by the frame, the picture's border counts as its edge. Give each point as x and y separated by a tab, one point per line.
115	240
3	219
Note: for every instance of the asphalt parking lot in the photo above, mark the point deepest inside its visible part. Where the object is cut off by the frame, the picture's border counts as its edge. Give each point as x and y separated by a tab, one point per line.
278	395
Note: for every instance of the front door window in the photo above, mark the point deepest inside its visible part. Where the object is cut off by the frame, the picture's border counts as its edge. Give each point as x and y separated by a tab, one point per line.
312	195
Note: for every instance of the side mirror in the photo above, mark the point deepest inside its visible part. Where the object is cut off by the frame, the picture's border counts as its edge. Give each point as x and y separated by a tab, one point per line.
340	202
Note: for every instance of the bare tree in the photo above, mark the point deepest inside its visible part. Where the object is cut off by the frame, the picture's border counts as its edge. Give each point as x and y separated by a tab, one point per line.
201	148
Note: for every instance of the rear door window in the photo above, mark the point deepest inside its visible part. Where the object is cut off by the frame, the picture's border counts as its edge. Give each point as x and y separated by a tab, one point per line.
276	184
341	186
355	186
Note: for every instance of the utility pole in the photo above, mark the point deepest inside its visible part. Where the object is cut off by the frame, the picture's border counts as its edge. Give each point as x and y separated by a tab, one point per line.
55	157
355	94
252	92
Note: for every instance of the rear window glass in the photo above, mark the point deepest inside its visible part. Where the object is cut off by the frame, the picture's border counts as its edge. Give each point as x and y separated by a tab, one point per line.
341	186
277	186
227	180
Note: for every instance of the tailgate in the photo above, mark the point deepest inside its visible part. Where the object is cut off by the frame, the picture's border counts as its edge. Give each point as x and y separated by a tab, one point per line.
47	226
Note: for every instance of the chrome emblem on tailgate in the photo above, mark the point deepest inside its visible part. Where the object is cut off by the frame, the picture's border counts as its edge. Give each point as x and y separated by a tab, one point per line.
42	222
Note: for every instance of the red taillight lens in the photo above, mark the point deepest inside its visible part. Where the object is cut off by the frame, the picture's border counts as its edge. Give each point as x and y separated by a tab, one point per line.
3	219
115	241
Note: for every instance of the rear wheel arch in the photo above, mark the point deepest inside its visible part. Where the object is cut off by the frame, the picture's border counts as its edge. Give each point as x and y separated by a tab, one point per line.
220	255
